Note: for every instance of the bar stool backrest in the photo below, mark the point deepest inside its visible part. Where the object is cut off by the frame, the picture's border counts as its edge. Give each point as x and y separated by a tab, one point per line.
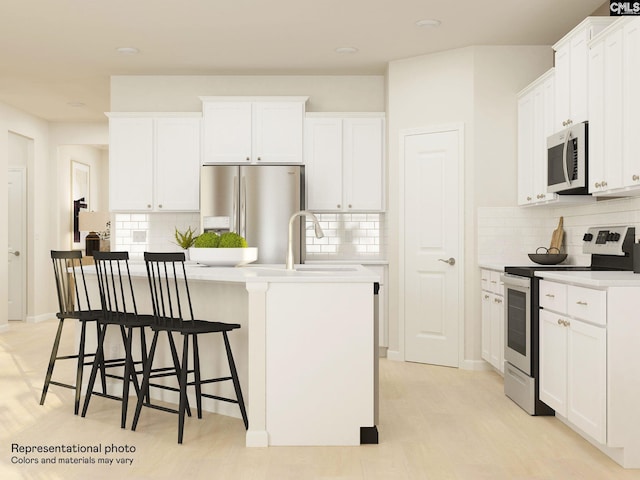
71	286
169	288
114	281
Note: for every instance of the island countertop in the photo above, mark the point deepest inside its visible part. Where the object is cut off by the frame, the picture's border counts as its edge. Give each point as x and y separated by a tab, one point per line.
313	273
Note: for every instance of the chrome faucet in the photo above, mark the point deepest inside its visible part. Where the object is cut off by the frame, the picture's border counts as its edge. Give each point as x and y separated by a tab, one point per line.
316	226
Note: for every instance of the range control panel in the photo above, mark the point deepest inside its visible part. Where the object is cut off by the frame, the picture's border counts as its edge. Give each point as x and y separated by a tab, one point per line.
607	240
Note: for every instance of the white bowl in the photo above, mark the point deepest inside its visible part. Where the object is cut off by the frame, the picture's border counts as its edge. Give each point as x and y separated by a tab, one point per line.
223	257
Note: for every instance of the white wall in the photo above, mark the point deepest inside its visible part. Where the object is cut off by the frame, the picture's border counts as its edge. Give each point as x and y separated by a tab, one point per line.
476	86
180	93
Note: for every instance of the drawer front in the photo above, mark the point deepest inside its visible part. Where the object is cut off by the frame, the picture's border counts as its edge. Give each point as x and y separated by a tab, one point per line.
553	296
495	283
587	304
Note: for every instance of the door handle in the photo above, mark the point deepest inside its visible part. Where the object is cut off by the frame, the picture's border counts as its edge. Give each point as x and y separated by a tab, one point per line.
15	253
451	261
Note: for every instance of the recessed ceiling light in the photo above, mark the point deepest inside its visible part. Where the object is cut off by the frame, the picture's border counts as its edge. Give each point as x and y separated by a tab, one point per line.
75	104
127	50
429	22
346	50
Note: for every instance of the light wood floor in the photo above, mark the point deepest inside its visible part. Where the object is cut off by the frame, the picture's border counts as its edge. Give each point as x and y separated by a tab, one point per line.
436	423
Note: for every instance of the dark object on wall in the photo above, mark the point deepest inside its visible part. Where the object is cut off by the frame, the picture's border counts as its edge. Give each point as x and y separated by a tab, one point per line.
77	205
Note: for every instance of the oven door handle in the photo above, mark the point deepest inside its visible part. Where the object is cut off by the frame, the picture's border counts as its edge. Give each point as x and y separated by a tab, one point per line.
516	280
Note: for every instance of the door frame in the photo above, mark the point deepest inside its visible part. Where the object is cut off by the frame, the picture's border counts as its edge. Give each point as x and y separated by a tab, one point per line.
460	259
24	291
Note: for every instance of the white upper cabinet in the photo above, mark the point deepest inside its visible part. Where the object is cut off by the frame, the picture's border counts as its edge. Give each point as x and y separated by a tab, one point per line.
572	72
154	162
614	105
344	166
535	124
253	129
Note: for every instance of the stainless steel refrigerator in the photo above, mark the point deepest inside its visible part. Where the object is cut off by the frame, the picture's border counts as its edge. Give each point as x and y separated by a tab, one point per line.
255	201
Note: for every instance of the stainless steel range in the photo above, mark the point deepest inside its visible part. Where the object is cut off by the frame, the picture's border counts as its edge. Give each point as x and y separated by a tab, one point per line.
611	248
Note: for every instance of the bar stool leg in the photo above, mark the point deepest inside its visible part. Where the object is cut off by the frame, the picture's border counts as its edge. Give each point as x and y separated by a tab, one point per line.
236	382
183	387
144	388
52	361
80	368
98	362
196	374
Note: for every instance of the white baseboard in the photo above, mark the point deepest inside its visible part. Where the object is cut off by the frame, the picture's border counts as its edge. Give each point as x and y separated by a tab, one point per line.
395	356
40	318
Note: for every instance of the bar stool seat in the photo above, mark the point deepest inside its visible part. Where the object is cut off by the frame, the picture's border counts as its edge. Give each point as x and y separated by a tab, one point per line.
174	314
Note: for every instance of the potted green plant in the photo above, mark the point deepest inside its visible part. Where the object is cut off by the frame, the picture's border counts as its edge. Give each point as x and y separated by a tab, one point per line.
185	239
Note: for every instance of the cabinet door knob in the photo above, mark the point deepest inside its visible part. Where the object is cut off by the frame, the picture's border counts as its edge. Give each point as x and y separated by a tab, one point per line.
486	297
560	321
597	185
338	205
635	178
604	184
259	159
148	205
528	199
349	205
248	159
160	206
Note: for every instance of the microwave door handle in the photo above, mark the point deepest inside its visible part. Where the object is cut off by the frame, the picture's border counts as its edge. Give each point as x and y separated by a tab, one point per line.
565	168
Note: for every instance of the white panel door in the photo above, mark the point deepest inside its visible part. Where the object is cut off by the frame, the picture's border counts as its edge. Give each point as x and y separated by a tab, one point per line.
17	244
431	238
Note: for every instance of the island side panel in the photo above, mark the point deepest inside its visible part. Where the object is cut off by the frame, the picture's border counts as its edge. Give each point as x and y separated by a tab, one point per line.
319	363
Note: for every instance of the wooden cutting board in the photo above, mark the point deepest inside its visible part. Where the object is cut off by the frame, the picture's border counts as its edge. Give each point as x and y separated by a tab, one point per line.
556	238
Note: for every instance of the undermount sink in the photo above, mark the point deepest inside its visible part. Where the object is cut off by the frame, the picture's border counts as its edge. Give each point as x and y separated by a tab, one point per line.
314	268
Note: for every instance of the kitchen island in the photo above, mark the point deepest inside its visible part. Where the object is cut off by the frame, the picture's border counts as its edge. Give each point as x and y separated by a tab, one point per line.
306	353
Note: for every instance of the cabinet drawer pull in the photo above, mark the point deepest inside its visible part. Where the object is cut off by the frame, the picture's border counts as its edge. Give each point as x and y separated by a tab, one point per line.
580	302
597	185
550	295
635	178
497	300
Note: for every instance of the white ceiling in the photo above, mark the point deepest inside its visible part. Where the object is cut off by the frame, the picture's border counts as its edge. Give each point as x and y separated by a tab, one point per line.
53	52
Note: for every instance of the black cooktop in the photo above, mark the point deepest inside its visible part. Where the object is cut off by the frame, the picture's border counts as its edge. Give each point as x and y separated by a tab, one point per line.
529	270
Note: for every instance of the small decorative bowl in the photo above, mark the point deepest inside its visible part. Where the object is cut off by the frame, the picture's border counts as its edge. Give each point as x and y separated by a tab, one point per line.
547	258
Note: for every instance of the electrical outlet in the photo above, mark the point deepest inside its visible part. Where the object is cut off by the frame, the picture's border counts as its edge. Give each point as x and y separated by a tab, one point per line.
139	236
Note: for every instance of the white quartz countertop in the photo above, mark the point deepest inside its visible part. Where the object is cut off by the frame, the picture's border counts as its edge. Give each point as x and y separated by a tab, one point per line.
594	278
343	273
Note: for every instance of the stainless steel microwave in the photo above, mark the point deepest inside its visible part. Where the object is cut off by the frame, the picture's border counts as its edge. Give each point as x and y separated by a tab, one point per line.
567	160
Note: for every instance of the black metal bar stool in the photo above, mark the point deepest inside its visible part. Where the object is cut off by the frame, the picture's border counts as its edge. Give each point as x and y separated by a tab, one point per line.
174	314
73	303
119	310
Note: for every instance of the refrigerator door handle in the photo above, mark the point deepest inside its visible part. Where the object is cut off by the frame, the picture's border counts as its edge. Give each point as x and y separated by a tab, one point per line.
234	213
243	207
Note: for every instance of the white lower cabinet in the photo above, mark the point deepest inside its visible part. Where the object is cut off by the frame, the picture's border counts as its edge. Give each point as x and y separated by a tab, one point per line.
493	319
573	371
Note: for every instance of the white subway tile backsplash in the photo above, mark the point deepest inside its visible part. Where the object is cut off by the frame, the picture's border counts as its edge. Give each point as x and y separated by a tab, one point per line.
508	234
347	236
